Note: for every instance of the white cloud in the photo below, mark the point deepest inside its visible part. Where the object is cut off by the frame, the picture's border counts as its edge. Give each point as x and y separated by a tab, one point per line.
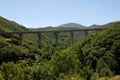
25	25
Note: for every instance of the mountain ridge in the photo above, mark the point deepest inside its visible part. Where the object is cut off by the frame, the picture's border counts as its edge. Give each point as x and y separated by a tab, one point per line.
71	25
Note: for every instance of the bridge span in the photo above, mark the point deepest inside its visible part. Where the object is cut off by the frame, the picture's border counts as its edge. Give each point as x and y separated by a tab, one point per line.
71	32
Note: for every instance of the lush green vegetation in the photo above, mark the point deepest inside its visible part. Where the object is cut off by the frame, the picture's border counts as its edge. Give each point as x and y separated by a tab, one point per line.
94	57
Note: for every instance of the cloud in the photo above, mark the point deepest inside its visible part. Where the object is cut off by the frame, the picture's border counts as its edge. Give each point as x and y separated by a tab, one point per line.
25	25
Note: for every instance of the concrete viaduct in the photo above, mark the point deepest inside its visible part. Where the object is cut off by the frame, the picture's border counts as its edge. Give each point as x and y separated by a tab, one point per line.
56	33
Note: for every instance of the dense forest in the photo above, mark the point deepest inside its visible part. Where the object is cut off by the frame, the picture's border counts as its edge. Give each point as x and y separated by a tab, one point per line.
93	57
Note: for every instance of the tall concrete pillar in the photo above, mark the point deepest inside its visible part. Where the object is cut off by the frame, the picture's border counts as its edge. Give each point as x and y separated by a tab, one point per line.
56	39
72	37
20	36
86	32
39	40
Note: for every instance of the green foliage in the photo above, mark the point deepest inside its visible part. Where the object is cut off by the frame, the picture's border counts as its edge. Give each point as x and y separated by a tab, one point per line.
86	73
14	53
70	76
1	76
106	72
7	25
94	57
12	71
100	51
64	62
95	76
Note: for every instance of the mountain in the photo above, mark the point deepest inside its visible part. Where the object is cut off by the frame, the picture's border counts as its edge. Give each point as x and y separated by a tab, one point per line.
49	28
66	26
70	26
94	26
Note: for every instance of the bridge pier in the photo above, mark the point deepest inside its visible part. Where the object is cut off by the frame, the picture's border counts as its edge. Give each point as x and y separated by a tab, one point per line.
56	39
86	32
39	40
72	37
20	36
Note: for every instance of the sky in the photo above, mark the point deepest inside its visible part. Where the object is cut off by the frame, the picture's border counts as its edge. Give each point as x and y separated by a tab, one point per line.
43	13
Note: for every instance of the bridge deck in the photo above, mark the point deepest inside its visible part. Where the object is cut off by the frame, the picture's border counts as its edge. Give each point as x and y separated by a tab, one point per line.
78	30
55	34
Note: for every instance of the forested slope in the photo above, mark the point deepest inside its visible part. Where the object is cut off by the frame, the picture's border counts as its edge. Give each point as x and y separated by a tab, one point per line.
93	57
99	53
7	25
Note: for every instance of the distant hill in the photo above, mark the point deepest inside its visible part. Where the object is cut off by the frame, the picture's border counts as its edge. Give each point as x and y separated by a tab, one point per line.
66	26
111	24
49	28
70	26
94	26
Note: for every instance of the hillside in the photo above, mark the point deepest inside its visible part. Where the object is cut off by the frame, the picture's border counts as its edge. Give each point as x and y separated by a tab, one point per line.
7	25
11	26
49	28
70	26
99	53
94	26
94	57
66	26
111	24
10	47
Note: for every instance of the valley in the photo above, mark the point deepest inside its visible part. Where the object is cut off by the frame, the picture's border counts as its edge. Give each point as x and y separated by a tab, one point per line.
95	56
